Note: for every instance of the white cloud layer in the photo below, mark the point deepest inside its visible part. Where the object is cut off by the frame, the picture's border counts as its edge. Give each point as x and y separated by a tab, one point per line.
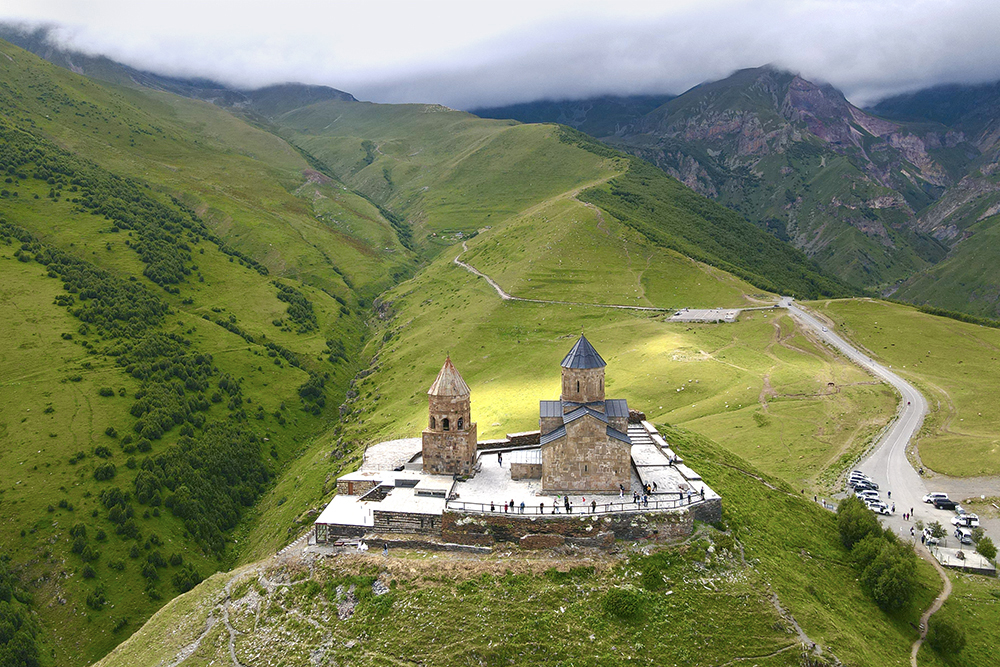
467	54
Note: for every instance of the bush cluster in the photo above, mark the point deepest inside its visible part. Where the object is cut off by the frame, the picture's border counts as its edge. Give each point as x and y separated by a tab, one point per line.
888	567
18	629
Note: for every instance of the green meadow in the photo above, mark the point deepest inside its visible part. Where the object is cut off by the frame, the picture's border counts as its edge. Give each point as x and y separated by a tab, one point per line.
758	386
955	364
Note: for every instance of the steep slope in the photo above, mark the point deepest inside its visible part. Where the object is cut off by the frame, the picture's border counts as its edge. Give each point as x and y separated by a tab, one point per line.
797	158
184	304
965	217
449	174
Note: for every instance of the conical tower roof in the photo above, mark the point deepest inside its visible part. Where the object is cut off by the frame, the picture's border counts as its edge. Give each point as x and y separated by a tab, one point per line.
583	355
449	382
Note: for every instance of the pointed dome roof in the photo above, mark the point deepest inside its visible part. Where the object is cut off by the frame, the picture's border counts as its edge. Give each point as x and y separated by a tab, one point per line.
449	382
583	355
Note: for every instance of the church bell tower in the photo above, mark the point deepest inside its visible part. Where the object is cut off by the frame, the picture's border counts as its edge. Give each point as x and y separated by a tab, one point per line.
583	375
449	441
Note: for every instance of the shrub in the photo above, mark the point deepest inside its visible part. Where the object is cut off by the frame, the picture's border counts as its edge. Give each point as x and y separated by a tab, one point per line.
104	472
106	391
88	572
102	452
623	603
986	548
945	638
117	565
96	600
186	579
176	560
111	432
855	522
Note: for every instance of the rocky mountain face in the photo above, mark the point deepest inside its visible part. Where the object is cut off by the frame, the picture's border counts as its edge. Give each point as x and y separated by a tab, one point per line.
840	183
966	216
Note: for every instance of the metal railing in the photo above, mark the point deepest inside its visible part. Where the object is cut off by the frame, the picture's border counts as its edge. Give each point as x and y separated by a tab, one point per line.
543	509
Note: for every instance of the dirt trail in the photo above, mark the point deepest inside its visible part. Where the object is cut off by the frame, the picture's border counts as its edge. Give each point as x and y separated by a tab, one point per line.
508	297
935	606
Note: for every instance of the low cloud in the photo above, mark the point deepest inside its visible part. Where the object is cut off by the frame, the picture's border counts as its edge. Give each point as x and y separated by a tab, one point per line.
463	55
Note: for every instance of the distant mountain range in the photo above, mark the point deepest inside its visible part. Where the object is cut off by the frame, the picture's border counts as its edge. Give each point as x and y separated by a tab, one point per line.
900	197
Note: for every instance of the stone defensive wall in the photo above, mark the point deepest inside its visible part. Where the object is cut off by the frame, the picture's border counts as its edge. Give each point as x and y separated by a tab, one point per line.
545	531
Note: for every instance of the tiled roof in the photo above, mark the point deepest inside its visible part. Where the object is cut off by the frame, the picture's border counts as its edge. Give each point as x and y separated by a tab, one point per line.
583	355
553	435
616	407
550	409
582	412
449	382
618	435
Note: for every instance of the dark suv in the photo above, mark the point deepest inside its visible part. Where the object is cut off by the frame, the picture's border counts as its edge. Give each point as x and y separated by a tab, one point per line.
945	504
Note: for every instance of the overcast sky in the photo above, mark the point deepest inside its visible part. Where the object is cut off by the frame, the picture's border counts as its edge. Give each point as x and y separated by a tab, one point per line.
475	53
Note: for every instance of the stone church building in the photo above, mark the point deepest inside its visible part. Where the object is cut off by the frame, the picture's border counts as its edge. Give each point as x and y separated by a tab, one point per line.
588	447
584	441
583	436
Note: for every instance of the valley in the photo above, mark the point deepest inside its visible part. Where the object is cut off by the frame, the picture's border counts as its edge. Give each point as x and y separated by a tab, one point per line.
216	299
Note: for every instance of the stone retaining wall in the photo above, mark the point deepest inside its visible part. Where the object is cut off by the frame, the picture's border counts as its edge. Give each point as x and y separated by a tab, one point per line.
405	522
488	529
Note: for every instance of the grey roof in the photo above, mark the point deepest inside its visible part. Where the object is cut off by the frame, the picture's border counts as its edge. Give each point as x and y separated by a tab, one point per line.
583	355
618	435
550	409
582	412
449	382
616	407
553	435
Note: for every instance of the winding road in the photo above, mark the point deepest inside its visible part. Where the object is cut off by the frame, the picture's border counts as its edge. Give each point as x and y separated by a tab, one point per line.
887	463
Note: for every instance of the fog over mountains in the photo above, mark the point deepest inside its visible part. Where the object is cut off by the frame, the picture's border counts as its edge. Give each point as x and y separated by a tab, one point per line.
467	56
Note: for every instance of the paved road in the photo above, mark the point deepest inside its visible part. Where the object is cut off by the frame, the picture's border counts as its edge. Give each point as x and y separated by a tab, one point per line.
887	463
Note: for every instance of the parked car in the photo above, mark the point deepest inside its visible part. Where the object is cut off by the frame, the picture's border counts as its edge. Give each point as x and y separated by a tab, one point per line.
931	497
945	503
858	479
879	507
867	494
966	521
863	484
964	535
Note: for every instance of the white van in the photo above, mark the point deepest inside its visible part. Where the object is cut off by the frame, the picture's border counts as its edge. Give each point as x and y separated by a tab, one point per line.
964	535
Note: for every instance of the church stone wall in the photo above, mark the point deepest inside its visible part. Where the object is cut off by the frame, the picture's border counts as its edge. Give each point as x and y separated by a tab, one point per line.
451	452
549	424
586	460
591	383
488	529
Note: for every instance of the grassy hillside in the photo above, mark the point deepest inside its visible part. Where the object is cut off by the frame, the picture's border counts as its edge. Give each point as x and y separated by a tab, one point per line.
451	175
184	300
955	364
250	187
709	600
964	281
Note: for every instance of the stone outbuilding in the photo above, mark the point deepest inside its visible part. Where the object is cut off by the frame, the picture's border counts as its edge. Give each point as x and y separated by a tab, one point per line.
584	442
449	441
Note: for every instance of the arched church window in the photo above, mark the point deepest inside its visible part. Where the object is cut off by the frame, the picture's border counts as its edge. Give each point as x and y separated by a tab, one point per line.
461	423
444	423
433	423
